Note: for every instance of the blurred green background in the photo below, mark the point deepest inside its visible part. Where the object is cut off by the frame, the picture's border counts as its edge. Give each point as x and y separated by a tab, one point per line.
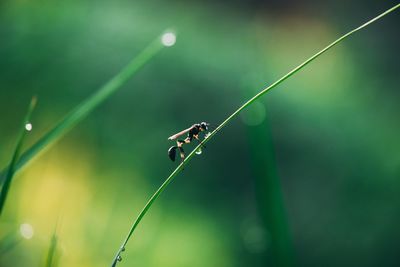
308	176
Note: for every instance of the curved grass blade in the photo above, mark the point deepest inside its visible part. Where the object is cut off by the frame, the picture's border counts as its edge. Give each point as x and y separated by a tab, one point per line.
118	257
12	166
87	106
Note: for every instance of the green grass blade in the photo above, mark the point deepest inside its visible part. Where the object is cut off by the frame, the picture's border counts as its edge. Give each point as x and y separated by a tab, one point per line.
51	254
12	166
269	195
87	106
9	242
226	121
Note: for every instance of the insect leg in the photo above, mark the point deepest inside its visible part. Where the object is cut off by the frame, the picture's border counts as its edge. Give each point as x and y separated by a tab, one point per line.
182	152
198	140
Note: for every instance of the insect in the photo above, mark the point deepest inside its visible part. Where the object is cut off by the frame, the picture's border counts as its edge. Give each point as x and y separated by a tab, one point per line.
193	132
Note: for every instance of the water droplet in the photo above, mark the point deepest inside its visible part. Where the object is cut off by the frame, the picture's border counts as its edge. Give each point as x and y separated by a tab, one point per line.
199	151
168	39
123	249
26	230
28	126
255	114
119	258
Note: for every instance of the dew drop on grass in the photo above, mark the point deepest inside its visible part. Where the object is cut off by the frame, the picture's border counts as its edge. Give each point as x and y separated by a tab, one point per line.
199	151
119	258
168	39
28	127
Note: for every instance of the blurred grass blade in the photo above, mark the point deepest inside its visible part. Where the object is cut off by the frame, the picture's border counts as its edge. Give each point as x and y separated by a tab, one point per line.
269	195
51	259
12	166
117	256
9	241
87	106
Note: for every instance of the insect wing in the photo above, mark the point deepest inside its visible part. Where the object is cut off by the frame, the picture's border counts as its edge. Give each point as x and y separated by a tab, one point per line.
173	137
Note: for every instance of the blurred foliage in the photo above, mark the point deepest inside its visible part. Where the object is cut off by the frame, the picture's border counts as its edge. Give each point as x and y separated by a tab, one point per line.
331	137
